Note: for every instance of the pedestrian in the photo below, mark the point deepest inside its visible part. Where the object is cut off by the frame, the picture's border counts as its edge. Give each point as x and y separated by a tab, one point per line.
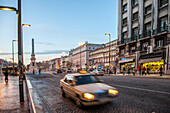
33	71
6	74
144	71
115	71
128	70
124	69
140	70
148	70
160	71
39	71
134	71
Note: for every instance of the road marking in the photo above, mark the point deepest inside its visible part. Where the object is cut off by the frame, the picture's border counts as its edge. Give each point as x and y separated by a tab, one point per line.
142	89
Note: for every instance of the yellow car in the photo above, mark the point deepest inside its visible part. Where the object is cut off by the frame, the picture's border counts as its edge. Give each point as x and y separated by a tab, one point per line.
87	89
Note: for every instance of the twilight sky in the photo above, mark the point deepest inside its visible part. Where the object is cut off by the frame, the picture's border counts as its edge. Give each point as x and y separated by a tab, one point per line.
57	25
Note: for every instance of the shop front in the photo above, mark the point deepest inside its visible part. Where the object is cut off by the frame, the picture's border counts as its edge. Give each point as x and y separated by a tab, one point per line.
128	64
152	63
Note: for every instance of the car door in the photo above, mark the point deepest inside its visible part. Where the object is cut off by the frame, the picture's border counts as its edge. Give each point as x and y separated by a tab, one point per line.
69	86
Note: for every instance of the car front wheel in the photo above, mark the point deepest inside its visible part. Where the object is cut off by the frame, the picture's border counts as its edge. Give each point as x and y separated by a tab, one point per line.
78	103
63	93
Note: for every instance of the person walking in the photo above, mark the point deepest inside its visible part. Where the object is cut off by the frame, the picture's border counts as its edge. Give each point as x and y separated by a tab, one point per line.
148	70
140	70
33	71
128	70
124	69
6	74
39	71
144	71
160	70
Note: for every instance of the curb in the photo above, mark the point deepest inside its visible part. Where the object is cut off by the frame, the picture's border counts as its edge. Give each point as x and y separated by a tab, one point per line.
144	76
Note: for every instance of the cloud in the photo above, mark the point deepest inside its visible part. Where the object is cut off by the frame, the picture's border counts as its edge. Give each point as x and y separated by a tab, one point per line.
45	43
45	52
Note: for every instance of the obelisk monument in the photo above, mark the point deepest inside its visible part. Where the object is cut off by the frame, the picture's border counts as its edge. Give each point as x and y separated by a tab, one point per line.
33	66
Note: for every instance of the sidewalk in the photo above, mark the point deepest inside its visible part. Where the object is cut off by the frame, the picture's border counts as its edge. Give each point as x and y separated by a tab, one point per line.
144	76
9	96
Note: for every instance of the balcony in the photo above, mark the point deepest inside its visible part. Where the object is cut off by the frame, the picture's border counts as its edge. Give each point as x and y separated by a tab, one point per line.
162	29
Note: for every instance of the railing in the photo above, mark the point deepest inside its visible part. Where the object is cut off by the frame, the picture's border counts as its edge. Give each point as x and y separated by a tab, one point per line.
162	29
30	103
145	34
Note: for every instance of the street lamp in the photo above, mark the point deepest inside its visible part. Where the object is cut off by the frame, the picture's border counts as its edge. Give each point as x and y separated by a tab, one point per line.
109	51
13	53
80	53
26	25
20	48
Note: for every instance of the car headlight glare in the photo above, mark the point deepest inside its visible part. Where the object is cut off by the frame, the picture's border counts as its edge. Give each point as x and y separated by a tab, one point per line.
88	96
113	92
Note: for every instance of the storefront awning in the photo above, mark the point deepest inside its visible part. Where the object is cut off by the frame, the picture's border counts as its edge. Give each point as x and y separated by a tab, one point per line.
127	60
158	59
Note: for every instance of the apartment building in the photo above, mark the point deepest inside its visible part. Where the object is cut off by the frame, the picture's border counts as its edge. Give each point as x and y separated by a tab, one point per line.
100	56
79	57
144	34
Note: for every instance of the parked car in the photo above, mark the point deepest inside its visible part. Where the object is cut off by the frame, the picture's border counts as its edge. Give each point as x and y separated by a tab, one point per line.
97	72
69	70
87	89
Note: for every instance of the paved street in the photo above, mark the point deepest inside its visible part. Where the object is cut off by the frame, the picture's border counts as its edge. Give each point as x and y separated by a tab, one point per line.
137	95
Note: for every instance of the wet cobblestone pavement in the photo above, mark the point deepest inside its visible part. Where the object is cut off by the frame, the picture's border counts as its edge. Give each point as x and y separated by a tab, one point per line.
137	95
9	96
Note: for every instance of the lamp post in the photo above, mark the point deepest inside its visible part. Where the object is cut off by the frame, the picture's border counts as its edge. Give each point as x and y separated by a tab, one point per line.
80	53
109	51
26	25
13	53
20	48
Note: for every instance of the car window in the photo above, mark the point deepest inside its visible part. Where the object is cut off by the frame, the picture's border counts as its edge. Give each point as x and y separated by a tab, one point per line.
94	71
100	70
69	79
85	79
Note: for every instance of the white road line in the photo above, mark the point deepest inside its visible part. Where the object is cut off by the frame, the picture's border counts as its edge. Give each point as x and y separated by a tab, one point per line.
142	89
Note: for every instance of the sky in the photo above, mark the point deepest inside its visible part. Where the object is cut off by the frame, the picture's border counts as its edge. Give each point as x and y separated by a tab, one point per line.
57	25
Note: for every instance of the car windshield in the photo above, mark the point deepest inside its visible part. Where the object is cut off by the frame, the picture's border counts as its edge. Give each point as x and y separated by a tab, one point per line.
100	70
85	79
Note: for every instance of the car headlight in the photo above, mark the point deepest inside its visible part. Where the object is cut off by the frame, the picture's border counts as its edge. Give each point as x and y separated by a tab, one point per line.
113	92
88	96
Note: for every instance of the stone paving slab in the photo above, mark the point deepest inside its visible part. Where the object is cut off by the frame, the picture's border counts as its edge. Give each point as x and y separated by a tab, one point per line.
9	96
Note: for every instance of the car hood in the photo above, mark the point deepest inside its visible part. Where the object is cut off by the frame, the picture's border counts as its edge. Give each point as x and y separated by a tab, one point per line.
93	88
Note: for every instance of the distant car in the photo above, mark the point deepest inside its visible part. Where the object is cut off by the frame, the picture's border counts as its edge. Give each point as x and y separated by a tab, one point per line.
87	89
97	72
57	71
83	71
69	70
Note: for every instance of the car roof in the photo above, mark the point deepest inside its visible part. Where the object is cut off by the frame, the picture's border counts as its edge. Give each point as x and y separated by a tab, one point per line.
78	74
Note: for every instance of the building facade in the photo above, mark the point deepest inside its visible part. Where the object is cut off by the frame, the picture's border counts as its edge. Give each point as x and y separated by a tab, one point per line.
100	56
143	34
79	57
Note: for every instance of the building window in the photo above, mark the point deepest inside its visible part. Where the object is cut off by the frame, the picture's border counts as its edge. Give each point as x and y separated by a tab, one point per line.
125	35
135	16
124	21
163	3
135	33
134	2
122	51
93	48
159	43
145	46
148	10
125	8
147	29
89	47
164	24
132	49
